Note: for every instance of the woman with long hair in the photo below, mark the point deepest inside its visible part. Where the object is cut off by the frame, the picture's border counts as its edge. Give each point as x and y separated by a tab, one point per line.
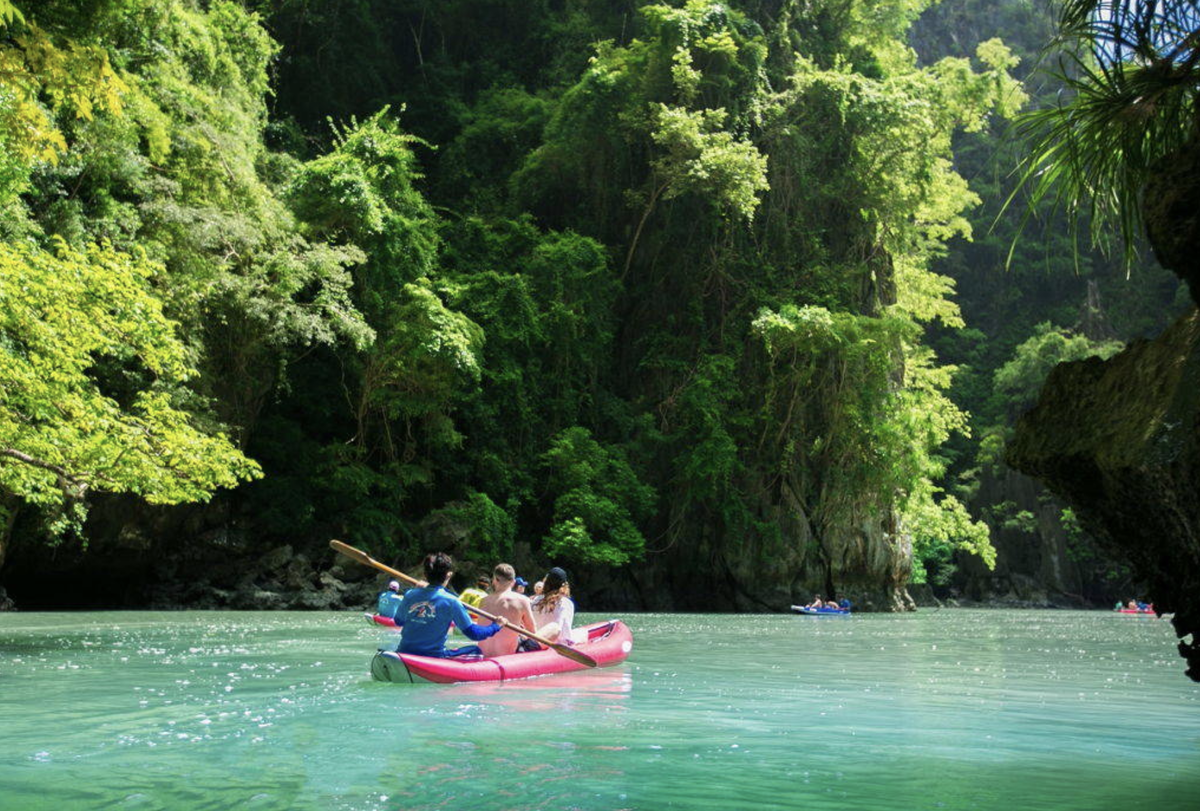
553	609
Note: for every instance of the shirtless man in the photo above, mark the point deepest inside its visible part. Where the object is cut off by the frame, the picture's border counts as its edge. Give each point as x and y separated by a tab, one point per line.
504	602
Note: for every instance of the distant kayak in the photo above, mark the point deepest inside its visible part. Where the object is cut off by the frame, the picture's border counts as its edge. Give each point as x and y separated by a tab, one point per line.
1134	611
379	619
608	643
821	612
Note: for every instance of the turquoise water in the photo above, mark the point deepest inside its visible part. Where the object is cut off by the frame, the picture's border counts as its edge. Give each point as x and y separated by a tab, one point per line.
938	710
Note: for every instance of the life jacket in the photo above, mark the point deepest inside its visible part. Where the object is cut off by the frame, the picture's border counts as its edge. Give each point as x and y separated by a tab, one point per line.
472	596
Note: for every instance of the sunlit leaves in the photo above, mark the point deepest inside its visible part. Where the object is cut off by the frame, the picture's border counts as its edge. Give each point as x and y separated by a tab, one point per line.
871	432
65	427
699	156
428	357
1021	378
39	78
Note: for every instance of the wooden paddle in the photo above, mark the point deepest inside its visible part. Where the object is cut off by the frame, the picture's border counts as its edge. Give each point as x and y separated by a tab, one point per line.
366	560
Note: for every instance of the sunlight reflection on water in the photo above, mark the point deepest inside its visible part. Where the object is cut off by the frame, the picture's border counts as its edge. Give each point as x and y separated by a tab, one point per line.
949	709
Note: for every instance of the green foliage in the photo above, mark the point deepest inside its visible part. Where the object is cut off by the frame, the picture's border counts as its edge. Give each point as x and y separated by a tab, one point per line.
1131	72
1020	379
862	158
9	13
184	175
66	428
1008	516
661	95
628	269
865	435
364	191
546	301
429	356
698	156
489	528
598	501
1082	550
1007	286
41	78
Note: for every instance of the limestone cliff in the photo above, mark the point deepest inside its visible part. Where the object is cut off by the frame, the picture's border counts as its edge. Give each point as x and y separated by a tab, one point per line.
1039	560
1118	441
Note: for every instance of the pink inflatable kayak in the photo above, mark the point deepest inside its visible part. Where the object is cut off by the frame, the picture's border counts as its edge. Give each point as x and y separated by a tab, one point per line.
607	642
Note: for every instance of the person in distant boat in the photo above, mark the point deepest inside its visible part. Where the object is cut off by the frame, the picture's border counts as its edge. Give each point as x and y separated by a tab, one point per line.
817	602
388	601
507	603
520	584
553	609
474	596
1132	605
426	613
832	604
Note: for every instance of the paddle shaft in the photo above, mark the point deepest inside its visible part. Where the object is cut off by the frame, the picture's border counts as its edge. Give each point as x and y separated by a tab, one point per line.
365	559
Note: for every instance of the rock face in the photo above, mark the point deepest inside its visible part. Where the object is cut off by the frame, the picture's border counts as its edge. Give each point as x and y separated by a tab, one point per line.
213	571
1118	441
1038	564
1171	209
868	562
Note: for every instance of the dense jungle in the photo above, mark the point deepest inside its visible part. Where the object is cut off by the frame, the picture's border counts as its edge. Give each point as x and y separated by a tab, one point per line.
718	305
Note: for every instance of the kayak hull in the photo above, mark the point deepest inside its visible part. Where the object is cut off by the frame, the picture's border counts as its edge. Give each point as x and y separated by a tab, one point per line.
379	619
608	643
1135	611
820	612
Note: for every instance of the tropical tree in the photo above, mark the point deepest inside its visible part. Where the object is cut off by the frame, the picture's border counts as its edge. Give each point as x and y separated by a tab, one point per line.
91	387
1123	146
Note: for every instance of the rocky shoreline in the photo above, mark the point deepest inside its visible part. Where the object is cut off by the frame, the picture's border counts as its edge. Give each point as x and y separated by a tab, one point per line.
284	580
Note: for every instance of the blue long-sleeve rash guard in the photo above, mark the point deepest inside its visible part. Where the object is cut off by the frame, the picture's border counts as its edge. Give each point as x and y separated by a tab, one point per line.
425	616
388	603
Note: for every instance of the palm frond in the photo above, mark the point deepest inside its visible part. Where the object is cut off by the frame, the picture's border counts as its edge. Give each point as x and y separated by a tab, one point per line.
1130	70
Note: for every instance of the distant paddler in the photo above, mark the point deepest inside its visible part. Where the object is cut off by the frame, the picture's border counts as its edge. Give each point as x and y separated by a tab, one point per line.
388	601
473	597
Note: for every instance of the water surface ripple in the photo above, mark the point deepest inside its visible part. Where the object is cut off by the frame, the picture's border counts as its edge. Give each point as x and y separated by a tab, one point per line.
938	710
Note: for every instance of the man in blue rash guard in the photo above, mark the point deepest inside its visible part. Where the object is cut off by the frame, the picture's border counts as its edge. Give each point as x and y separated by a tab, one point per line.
426	612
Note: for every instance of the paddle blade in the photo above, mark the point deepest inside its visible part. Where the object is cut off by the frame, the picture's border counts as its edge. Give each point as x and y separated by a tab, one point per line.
574	655
350	552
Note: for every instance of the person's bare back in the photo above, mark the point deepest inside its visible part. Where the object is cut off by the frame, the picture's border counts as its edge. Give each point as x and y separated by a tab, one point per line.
504	602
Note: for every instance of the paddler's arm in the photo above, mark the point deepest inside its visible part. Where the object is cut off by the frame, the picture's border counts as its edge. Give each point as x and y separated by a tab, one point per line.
470	630
527	620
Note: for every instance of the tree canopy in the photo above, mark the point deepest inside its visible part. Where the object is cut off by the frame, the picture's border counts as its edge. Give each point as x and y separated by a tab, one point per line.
589	282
